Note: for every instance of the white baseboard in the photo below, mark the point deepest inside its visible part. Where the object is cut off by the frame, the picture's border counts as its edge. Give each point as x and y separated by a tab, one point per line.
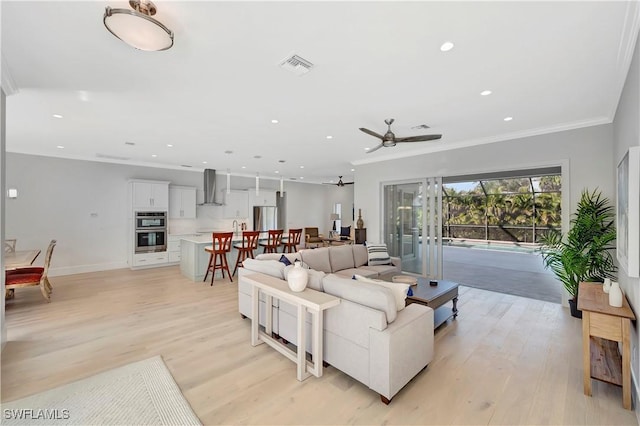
81	269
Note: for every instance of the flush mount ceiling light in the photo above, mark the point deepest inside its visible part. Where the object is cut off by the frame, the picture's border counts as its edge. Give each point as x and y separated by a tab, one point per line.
137	28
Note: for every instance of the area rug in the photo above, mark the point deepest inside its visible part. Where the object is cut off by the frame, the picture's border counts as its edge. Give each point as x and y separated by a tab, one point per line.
141	393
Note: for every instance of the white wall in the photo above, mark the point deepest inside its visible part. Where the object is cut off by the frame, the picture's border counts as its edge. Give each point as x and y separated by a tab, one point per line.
585	154
57	198
3	325
626	133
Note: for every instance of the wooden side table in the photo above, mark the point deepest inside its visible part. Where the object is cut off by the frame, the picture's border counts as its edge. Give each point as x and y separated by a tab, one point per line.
603	326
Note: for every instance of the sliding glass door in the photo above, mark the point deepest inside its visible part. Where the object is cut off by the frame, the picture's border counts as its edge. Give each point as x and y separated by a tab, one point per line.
412	225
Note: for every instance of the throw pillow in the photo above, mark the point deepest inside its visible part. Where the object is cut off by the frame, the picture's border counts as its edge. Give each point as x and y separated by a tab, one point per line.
285	260
399	290
345	231
378	254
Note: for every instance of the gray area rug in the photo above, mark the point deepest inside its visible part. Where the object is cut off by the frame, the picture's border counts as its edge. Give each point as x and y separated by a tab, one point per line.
141	393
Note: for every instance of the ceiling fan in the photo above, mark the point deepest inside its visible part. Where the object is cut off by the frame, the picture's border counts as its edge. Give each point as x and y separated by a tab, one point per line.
389	139
340	182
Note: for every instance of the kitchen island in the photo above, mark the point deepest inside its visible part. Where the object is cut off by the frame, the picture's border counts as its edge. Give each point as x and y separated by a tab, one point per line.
194	260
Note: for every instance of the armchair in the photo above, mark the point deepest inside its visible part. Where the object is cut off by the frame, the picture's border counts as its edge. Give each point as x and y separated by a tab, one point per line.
312	238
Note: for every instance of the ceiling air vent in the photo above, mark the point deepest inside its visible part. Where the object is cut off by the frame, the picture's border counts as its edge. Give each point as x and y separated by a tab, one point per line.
420	127
296	65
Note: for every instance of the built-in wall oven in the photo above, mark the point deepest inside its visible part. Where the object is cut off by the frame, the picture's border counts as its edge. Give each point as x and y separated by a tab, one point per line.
150	232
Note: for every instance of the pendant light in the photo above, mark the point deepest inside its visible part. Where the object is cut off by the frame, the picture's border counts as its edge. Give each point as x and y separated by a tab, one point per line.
137	28
257	183
281	186
228	181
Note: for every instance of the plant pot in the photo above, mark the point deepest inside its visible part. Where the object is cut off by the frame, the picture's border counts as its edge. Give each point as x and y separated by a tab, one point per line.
573	306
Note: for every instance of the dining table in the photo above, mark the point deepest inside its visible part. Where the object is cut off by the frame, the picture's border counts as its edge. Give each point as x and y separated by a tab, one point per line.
18	259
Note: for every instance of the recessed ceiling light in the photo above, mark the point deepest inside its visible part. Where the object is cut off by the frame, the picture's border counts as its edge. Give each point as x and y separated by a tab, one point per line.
204	162
130	143
353	170
329	137
57	116
301	177
485	92
154	155
244	167
60	147
367	149
276	171
446	46
508	118
302	167
228	152
282	161
274	121
169	145
257	156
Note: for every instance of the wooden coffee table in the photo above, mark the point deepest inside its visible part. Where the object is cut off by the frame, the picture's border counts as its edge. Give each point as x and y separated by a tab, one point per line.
435	297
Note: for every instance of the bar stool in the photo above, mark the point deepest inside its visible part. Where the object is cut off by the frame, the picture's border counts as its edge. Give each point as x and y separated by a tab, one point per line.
292	243
273	241
246	248
221	246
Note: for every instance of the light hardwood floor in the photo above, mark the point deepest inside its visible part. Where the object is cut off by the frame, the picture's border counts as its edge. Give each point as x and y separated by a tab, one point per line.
505	360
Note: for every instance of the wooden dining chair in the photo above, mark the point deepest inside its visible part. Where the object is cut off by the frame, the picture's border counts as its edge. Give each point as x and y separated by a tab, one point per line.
273	241
218	254
10	245
30	276
292	243
246	248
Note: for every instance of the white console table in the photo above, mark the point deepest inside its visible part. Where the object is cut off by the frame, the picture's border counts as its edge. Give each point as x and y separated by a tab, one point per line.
309	300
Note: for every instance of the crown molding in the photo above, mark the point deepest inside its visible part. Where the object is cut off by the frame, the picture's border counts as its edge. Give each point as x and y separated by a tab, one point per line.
626	49
8	84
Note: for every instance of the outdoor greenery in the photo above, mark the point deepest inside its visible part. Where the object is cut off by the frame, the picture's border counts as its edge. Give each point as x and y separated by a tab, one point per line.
518	210
584	254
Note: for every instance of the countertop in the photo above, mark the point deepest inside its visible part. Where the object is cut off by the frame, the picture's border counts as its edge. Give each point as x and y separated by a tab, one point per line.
206	238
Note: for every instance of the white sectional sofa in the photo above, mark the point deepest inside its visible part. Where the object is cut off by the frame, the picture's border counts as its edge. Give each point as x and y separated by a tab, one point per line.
365	336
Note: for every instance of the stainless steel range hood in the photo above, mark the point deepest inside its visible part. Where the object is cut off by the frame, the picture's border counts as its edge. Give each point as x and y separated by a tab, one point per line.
210	188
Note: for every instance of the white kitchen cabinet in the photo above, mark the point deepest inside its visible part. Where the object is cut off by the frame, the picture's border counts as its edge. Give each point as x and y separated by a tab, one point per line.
236	204
182	202
150	259
173	248
264	198
150	195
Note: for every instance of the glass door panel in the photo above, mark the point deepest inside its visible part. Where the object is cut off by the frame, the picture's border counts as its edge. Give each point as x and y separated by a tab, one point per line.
412	225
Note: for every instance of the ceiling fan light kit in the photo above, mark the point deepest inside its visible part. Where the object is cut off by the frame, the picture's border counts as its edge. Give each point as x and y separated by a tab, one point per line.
137	28
389	139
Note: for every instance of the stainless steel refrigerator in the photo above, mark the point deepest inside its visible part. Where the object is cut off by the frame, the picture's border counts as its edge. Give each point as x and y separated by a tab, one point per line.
264	218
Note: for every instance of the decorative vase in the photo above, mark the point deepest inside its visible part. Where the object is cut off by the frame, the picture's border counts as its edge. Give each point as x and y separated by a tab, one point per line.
615	295
297	278
359	222
606	285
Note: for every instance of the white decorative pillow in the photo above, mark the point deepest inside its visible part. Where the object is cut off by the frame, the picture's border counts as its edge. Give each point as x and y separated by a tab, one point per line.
378	254
399	290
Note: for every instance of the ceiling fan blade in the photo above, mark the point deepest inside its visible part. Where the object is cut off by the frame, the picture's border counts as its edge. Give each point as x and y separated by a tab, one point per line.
422	138
375	149
372	133
348	183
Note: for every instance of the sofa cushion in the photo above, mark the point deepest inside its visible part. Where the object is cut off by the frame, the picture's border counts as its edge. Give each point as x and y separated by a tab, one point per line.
399	289
381	269
341	257
360	255
371	295
274	268
315	277
378	254
317	259
349	273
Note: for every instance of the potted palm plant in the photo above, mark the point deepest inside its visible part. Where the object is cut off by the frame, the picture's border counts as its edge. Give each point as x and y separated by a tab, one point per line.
584	254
